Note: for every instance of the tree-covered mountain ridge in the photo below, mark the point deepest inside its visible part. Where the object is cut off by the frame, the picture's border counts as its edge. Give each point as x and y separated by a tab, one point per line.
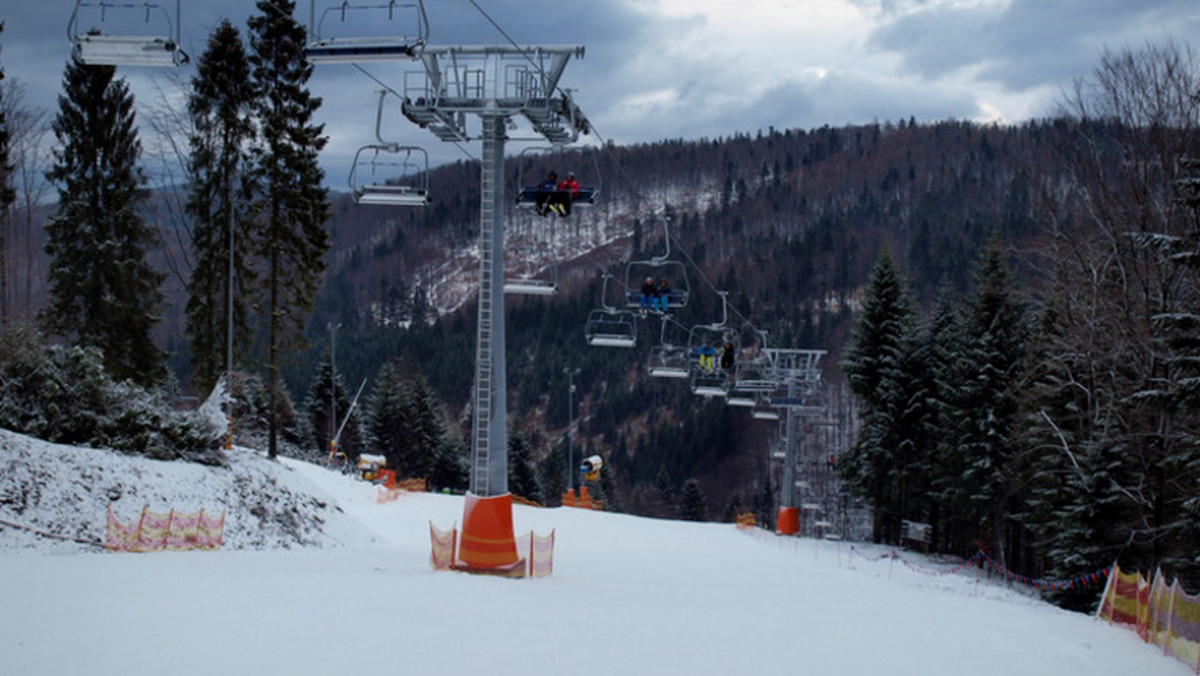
786	219
788	222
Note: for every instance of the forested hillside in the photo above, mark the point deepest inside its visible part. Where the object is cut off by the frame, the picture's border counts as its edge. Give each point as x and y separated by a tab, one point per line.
789	222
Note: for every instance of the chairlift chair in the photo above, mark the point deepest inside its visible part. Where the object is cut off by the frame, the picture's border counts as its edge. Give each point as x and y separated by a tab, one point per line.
527	195
409	187
755	374
608	326
656	268
325	48
668	360
534	272
714	383
710	380
95	48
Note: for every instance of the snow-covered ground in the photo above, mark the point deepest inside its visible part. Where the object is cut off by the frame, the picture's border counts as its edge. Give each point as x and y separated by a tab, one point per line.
628	595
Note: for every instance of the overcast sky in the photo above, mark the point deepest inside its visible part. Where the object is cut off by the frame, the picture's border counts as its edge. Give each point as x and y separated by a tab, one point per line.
657	69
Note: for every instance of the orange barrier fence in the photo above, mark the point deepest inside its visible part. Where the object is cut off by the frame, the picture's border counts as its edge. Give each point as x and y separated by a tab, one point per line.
747	520
538	549
411	485
391	489
584	500
173	531
388	479
1160	614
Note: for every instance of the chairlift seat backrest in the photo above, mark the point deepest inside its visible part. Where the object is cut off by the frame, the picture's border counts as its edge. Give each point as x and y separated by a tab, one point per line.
676	298
528	197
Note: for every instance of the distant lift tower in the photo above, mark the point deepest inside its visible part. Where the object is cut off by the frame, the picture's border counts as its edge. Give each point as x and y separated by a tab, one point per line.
496	83
799	375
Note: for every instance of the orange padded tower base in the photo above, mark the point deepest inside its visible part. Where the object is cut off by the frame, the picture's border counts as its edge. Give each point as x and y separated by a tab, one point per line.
487	542
788	522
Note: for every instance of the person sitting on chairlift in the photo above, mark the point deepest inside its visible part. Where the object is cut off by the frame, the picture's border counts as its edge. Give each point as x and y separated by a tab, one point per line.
649	292
664	294
706	356
727	356
567	192
545	191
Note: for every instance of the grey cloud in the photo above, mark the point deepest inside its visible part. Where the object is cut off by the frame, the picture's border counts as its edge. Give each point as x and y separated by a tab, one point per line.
1027	42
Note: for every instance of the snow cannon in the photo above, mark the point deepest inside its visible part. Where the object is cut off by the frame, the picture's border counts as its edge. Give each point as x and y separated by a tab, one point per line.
590	469
369	466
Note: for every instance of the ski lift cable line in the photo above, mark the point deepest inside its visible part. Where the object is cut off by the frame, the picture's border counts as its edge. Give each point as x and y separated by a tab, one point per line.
387	89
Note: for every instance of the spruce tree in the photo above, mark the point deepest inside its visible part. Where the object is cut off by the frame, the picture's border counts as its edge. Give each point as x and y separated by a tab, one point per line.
220	204
387	417
945	338
522	476
693	505
1072	502
324	390
293	205
426	429
103	292
878	373
451	465
983	404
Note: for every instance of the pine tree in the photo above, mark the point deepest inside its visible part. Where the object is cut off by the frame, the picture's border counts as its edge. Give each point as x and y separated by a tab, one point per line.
522	477
945	338
693	505
103	292
876	467
219	203
983	404
426	430
293	204
1072	502
326	389
451	466
388	424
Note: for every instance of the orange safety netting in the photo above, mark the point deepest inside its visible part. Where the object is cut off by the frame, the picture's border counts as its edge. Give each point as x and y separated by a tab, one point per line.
391	489
174	531
539	551
443	541
584	500
541	554
747	520
1160	614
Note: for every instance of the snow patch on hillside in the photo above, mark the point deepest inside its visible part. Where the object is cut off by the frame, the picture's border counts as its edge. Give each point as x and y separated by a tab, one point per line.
65	491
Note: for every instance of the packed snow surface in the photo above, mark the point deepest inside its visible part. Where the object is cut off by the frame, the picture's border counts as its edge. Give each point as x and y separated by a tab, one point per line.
317	577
